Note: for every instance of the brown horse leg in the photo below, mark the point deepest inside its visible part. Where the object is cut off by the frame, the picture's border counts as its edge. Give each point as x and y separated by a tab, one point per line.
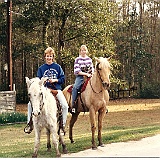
71	124
48	140
93	127
101	114
63	144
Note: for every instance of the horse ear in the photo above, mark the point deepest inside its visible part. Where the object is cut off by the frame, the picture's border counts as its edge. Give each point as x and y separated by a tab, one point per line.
28	81
43	79
97	59
109	58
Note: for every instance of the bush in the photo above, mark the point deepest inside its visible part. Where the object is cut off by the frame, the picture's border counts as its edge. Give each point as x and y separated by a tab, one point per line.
12	117
150	90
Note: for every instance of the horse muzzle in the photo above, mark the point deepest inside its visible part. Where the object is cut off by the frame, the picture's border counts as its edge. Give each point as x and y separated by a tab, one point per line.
106	85
36	113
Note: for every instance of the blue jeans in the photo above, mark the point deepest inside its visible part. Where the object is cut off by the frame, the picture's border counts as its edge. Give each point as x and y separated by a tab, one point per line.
76	87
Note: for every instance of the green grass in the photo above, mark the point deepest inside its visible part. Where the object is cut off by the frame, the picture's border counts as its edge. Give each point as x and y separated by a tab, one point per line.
14	143
12	117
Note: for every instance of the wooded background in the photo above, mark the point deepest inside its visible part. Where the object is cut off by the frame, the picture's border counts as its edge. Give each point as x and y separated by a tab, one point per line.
126	30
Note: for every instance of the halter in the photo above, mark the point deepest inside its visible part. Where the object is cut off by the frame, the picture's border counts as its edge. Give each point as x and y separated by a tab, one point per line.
41	100
103	83
97	67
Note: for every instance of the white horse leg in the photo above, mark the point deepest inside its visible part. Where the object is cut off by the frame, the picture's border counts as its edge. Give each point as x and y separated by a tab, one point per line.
55	140
93	126
37	141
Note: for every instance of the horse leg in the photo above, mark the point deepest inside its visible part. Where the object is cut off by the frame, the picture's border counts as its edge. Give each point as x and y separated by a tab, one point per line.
93	127
37	142
61	140
71	124
48	140
101	114
55	140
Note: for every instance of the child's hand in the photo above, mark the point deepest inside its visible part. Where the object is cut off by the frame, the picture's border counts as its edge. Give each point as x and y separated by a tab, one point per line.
53	80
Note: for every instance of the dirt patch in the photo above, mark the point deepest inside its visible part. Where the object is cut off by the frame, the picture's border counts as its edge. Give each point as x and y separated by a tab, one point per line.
22	108
133	104
122	113
118	105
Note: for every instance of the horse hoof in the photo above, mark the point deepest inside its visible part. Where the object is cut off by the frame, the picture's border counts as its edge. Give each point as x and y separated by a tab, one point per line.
65	151
58	155
72	141
94	148
49	150
34	155
102	145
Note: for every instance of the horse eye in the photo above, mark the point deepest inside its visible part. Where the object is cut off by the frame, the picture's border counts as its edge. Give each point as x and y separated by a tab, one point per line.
99	68
29	95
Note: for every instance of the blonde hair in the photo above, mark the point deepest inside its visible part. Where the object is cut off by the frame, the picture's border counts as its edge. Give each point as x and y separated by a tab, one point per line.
83	46
50	51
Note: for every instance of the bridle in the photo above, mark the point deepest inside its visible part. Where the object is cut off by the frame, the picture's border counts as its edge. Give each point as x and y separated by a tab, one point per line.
103	83
41	100
97	68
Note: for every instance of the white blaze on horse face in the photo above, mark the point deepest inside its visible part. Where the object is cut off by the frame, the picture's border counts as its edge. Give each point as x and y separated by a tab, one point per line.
104	71
34	92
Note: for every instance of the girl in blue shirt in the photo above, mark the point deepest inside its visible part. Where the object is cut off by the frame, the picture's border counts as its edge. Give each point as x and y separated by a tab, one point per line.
56	78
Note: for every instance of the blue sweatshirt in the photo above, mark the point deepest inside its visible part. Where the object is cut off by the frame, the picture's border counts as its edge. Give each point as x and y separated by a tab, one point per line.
52	71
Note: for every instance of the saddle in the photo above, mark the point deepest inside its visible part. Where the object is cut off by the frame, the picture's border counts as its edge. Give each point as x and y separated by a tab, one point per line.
59	112
82	89
83	86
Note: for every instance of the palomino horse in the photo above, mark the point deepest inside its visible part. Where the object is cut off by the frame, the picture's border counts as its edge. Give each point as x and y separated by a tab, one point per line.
93	99
44	114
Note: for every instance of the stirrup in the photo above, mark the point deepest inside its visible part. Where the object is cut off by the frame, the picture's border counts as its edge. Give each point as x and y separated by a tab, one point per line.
61	130
28	129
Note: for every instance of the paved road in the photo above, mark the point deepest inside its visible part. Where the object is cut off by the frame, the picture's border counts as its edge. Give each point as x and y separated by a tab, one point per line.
146	147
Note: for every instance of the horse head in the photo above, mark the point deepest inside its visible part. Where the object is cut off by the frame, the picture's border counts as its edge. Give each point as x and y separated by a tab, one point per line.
103	69
35	93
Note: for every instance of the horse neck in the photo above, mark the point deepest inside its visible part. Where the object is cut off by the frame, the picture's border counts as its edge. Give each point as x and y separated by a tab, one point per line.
47	97
96	81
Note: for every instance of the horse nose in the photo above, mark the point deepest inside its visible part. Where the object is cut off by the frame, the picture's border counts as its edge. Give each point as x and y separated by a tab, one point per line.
37	113
106	85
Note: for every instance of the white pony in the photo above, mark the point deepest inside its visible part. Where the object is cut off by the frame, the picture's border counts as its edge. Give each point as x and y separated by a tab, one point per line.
44	114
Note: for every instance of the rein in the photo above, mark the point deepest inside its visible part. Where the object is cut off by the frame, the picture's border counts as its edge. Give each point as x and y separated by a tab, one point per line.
41	101
99	73
100	79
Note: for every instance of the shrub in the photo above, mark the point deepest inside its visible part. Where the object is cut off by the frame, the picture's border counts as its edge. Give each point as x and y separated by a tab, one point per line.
12	117
150	90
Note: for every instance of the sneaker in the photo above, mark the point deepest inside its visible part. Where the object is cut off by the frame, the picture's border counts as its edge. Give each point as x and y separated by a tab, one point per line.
28	129
73	110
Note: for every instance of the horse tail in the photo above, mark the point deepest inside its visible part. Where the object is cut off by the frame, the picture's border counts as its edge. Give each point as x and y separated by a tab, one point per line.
67	94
